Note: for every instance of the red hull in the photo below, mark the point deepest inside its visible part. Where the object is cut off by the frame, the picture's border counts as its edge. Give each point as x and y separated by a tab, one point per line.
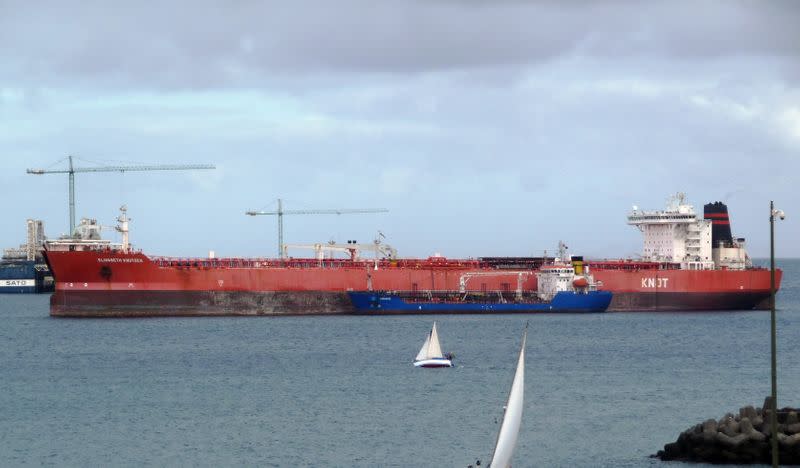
108	283
665	290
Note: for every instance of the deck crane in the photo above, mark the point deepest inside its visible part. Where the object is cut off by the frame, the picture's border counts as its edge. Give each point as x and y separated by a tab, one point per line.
464	279
72	170
281	212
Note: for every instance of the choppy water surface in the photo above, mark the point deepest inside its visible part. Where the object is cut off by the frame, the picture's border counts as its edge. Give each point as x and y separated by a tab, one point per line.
600	390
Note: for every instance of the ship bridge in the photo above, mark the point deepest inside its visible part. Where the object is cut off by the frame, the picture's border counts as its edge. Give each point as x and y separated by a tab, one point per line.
638	218
675	234
677	212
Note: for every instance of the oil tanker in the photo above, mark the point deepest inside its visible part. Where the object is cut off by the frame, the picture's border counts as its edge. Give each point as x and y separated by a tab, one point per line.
688	263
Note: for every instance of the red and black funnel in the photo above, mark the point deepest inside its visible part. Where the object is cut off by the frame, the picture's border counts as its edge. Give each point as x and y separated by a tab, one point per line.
717	212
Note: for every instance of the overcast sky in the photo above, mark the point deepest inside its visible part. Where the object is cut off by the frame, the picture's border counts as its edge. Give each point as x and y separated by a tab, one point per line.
485	128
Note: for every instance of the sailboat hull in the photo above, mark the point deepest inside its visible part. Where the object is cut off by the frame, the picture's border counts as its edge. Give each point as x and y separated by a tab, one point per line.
433	363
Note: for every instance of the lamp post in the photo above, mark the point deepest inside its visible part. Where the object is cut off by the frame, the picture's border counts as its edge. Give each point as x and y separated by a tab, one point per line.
773	420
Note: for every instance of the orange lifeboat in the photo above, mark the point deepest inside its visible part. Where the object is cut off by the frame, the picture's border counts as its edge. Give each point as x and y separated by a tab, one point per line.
580	282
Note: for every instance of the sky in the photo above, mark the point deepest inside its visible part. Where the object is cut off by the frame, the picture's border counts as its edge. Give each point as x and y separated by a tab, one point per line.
485	128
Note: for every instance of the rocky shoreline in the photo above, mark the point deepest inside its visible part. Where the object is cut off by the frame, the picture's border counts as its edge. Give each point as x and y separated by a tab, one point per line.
739	439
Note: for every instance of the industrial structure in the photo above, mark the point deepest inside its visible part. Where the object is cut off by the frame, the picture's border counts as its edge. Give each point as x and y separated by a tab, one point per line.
281	212
23	269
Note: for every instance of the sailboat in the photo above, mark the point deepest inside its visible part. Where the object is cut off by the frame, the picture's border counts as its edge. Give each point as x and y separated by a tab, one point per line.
430	355
509	429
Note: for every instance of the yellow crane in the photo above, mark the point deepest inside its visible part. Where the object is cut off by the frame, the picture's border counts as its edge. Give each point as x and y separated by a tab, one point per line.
281	212
72	170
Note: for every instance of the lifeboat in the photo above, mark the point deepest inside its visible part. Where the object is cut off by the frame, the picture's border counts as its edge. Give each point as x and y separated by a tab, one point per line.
580	282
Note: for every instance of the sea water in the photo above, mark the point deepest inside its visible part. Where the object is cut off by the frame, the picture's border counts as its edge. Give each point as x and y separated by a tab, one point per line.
600	390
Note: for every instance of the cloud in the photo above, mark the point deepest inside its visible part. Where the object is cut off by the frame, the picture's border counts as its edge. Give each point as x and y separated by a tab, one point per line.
511	113
197	45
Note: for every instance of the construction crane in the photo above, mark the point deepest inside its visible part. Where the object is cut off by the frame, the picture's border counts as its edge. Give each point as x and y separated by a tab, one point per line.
281	212
72	170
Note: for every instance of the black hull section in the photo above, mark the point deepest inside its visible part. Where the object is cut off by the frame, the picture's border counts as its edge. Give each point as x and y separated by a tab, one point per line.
666	302
196	303
245	303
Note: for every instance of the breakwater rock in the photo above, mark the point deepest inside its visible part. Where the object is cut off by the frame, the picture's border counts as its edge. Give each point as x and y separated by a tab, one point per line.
741	439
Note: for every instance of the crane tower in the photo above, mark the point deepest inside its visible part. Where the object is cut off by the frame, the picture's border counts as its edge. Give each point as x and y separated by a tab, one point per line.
72	170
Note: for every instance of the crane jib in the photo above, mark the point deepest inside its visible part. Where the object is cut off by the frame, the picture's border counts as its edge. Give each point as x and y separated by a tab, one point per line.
72	170
282	212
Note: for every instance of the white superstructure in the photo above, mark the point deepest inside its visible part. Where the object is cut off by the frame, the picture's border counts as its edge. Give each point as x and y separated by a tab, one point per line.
87	236
733	257
567	273
678	234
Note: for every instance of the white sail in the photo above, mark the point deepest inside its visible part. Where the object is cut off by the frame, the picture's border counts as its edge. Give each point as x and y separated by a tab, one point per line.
423	351
509	429
434	349
431	348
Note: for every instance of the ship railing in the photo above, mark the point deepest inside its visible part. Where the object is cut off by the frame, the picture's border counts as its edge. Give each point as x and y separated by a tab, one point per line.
661	217
60	245
632	265
255	263
727	244
472	296
252	263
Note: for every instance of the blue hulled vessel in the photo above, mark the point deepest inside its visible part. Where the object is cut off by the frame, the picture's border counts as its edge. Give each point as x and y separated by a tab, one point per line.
17	277
439	302
561	287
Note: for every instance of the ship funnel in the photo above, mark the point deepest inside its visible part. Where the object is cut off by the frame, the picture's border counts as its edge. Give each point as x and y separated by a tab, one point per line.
577	264
717	212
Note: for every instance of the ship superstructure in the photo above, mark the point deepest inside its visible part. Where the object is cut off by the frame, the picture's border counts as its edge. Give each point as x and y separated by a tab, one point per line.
87	236
688	263
726	251
679	235
675	235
